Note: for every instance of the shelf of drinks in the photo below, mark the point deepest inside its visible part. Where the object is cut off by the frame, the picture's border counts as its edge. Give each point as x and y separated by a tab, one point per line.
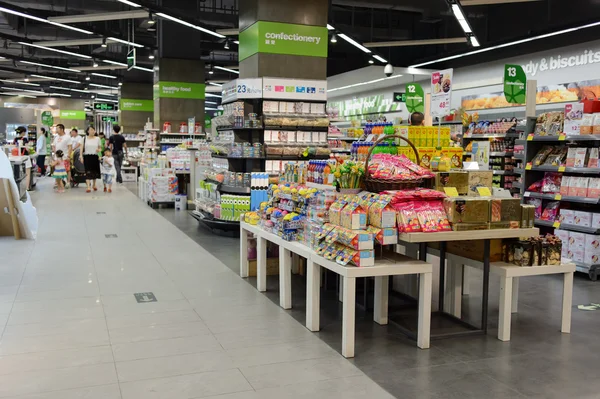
501	154
559	197
569	227
565	137
549	168
491	136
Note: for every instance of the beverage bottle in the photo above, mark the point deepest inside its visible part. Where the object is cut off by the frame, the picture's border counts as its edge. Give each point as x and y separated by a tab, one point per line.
321	170
327	173
309	174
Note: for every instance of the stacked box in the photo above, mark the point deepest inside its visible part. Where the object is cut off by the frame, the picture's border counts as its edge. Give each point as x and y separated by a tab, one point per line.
564	237
576	246
592	249
163	188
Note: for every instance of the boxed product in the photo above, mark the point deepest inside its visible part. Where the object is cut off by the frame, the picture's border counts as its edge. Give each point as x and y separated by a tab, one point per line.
357	239
271	107
456	157
505	210
470	226
381	214
456	179
573	184
527	216
593	158
384	236
474	249
582	186
592	249
596	220
335	211
576	240
521	253
353	217
576	157
479	178
565	184
567	216
593	190
467	210
577	254
425	155
564	237
581	218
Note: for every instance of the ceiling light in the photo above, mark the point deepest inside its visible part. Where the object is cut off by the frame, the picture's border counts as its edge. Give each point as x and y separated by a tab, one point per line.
465	25
363	83
143	69
379	58
79	91
210	102
93	96
19	89
9	11
236	41
151	20
212	95
26	79
60	88
104	76
26	96
179	21
151	56
114	39
107	99
354	43
210	70
516	42
53	78
371	61
95	64
59	94
103	86
457	12
329	27
129	3
211	109
474	41
104	42
215	84
226	45
114	63
120	83
50	66
226	69
55	50
20	83
334	38
87	77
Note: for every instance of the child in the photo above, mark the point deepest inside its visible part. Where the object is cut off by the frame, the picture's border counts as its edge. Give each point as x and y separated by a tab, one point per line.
107	168
60	173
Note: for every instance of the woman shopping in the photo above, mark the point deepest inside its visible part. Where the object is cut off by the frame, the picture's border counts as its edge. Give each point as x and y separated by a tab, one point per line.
89	157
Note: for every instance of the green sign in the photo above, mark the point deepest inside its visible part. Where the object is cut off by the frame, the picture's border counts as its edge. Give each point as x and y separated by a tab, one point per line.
415	98
514	84
104	106
193	91
399	97
47	118
109	119
280	38
68	114
129	104
207	122
131	59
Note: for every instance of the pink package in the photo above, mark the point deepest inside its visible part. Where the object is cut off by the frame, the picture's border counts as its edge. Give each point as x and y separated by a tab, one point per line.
573	184
565	183
582	187
408	222
593	190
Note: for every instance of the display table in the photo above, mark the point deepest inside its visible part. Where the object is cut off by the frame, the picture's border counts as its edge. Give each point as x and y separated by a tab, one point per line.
486	235
509	288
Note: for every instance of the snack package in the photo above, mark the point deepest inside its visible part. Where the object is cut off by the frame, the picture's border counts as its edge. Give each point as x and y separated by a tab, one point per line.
593	158
381	214
593	190
384	236
566	216
479	178
537	203
582	186
358	258
521	253
456	157
565	182
573	186
550	213
582	218
563	235
467	210
425	155
551	182
408	222
353	217
541	156
357	239
587	123
580	157
505	210
536	187
335	211
557	157
366	199
456	179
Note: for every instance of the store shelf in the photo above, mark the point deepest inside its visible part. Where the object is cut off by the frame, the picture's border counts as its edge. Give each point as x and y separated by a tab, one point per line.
505	172
213	223
299	128
501	154
149	148
343	138
182	134
491	136
584	137
234	190
565	198
569	227
344	150
228	157
585	268
447	123
295	158
548	168
221	129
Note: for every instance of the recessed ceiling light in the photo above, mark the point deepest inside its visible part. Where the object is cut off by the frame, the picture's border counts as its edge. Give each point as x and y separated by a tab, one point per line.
130	3
103	75
55	50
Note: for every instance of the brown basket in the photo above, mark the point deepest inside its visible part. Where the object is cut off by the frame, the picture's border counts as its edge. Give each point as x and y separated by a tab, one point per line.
378	185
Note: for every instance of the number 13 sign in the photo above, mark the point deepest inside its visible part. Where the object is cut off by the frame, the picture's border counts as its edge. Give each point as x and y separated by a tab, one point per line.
441	92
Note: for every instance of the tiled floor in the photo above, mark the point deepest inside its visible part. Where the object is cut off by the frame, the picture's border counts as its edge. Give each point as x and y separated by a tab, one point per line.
73	330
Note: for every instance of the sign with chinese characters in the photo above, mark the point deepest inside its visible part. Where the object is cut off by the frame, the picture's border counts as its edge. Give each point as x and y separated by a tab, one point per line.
129	104
441	92
69	114
47	118
242	88
281	38
415	98
294	89
514	84
194	91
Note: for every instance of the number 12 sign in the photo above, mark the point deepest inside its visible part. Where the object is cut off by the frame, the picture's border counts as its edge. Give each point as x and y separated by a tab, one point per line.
415	98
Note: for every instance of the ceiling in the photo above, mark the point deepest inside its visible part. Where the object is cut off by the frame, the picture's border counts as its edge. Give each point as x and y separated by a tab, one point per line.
365	21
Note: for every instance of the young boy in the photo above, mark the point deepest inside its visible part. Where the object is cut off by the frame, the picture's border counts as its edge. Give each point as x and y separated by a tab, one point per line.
107	168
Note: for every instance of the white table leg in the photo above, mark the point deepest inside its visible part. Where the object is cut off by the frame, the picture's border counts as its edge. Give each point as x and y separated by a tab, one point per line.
380	310
243	252
348	322
465	285
455	287
515	295
506	287
261	264
313	295
567	302
425	293
285	278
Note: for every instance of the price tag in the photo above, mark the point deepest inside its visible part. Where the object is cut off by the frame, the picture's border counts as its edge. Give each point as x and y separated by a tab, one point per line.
530	137
528	166
562	137
527	194
562	168
556	225
557	197
451	191
484	191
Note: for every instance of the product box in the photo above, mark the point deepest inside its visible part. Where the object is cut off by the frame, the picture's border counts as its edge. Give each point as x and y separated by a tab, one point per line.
353	217
456	179
470	226
271	107
335	211
357	239
593	158
582	186
577	254
363	258
564	237
583	219
573	184
527	216
386	236
425	155
593	190
576	240
456	157
506	210
317	109
566	216
381	214
565	183
479	178
596	220
431	137
467	210
576	157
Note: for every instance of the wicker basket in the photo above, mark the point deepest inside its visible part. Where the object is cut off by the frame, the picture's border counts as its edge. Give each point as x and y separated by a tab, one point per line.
378	185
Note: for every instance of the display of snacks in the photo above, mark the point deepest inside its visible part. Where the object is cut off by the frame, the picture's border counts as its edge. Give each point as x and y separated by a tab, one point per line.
489	127
456	179
467	210
549	124
536	251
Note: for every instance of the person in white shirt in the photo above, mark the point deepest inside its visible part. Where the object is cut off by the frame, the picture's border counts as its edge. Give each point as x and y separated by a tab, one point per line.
89	157
63	142
75	139
40	149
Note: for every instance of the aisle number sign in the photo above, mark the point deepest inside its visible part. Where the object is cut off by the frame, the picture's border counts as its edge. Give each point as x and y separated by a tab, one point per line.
441	92
47	118
415	98
515	84
242	88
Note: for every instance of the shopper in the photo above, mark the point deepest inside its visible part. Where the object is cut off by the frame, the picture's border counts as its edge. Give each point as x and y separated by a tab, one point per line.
75	139
41	150
117	144
417	119
60	172
89	157
107	167
21	132
63	143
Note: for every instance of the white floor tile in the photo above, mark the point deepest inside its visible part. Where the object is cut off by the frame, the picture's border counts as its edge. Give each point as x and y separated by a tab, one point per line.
150	319
98	392
71	327
165	347
40	343
161	331
59	359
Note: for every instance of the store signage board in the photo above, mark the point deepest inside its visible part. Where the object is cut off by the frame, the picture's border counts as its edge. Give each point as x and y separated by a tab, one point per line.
399	97
515	82
559	61
131	59
129	104
280	38
415	98
104	106
242	89
190	91
365	106
47	118
294	89
109	119
573	117
70	114
441	92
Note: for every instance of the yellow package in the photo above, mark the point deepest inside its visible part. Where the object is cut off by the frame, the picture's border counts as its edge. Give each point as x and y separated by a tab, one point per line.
431	140
456	157
402	131
425	155
445	137
412	133
418	136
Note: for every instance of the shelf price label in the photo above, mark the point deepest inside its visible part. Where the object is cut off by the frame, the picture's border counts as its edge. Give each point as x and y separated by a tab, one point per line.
562	137
528	166
415	98
557	197
514	84
530	137
451	191
562	168
556	225
441	92
484	192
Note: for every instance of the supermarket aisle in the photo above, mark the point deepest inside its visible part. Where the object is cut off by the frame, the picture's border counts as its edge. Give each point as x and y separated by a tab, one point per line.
73	329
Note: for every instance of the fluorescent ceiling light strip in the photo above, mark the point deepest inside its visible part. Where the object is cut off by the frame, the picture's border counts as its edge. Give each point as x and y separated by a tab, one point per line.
114	62
363	83
50	66
27	96
79	91
130	3
211	109
465	26
329	27
20	83
226	69
51	78
103	75
484	50
457	12
210	102
215	84
104	86
59	94
182	22
143	69
474	41
60	88
114	39
56	50
20	14
378	58
107	99
20	89
236	41
20	94
212	95
354	43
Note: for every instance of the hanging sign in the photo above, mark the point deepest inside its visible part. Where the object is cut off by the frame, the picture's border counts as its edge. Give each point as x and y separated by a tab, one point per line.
242	88
130	104
415	98
191	125
68	114
294	89
194	91
514	84
441	92
131	59
109	118
47	118
573	117
399	97
207	122
104	106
